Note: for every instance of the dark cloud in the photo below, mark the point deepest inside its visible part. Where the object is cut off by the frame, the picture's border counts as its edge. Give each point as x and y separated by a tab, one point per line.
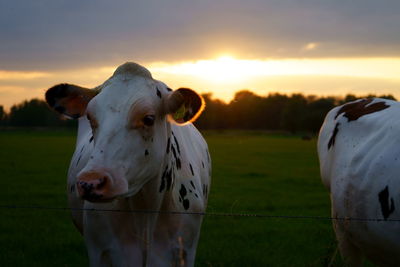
47	34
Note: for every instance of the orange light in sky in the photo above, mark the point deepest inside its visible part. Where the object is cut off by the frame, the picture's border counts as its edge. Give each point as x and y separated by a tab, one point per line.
225	75
227	69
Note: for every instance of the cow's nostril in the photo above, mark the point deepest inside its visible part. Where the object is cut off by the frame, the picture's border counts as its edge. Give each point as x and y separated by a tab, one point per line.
102	182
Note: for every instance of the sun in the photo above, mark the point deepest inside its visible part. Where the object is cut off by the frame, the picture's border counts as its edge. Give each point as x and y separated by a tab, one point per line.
223	69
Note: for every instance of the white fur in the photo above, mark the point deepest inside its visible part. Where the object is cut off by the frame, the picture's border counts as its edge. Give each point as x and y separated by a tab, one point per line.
363	161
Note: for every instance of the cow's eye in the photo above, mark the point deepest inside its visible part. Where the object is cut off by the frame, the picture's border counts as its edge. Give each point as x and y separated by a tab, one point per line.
148	120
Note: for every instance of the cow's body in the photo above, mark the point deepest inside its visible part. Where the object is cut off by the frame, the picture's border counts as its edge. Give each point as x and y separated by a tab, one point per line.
172	171
359	152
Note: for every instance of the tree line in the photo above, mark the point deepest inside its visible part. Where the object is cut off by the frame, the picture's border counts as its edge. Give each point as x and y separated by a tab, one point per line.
276	112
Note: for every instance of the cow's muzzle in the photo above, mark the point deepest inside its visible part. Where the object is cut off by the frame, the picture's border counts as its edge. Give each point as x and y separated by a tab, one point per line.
95	186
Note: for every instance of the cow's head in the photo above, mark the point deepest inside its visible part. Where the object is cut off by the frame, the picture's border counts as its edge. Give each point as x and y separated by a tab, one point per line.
130	116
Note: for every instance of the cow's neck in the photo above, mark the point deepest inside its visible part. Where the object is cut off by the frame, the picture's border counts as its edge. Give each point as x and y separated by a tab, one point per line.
150	199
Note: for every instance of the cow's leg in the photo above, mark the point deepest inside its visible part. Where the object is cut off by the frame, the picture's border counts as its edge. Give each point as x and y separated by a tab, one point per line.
103	243
186	239
176	239
350	253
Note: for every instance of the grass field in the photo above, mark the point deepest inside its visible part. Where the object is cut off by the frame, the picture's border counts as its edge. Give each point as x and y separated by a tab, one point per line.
252	173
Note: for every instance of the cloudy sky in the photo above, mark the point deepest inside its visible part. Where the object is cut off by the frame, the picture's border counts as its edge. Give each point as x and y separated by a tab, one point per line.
325	47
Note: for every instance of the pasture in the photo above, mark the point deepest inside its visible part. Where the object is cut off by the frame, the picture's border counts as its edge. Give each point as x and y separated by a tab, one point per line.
253	172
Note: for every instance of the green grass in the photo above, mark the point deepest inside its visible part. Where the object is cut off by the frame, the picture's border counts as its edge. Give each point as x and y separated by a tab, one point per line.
252	173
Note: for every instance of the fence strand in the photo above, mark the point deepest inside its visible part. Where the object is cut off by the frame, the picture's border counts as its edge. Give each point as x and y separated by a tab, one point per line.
208	214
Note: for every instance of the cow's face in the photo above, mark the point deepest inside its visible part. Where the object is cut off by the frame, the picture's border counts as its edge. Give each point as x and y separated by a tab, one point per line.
130	119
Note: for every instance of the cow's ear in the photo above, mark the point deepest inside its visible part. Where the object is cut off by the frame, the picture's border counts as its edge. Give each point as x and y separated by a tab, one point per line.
69	100
184	105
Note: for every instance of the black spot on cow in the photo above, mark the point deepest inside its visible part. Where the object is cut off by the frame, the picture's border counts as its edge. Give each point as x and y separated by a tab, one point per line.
91	139
186	204
176	142
353	111
168	144
386	208
182	194
333	137
182	191
191	169
79	158
168	178
191	182
205	190
178	163
202	164
82	149
169	89
162	185
177	159
146	152
173	151
158	93
196	195
101	151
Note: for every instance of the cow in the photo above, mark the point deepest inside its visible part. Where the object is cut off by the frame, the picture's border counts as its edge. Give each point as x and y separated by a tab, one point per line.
139	179
359	154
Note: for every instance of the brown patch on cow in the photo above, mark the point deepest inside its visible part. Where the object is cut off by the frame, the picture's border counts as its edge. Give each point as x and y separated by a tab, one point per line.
353	111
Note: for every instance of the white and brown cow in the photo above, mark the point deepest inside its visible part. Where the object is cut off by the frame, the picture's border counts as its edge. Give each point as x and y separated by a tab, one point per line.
359	153
136	150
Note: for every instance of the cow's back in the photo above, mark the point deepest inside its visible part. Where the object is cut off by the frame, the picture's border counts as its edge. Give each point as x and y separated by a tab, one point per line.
359	153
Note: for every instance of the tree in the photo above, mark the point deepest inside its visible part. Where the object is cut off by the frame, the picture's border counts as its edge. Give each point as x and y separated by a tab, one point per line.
294	113
214	115
244	110
35	113
316	112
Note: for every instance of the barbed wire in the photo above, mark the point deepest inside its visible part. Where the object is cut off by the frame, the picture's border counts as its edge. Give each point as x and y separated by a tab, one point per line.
208	214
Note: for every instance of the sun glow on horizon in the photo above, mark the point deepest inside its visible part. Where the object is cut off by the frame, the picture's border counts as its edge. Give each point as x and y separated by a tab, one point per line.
226	74
227	69
224	69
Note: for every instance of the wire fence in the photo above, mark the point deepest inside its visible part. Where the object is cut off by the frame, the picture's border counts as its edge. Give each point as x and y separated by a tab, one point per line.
208	214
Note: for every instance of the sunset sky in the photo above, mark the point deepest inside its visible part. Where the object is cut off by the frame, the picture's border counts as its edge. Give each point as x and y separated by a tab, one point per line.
325	47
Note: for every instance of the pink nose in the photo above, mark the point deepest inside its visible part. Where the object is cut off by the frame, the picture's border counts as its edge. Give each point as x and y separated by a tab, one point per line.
94	186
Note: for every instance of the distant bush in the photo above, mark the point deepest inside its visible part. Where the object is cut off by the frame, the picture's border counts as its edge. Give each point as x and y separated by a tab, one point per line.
33	113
